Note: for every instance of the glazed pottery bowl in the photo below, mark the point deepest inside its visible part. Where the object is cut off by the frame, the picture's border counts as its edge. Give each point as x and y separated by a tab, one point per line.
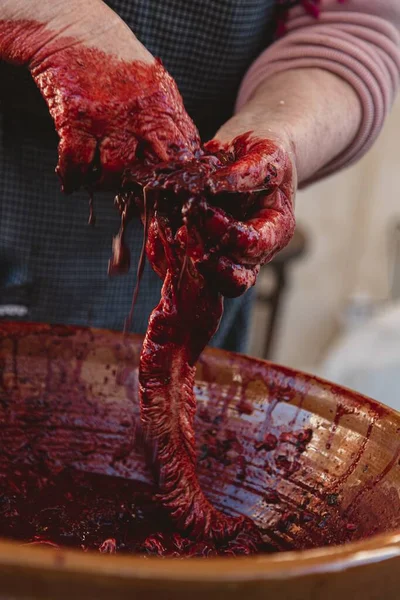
316	467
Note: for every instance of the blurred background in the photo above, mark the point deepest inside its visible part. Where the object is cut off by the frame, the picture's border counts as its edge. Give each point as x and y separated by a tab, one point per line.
334	297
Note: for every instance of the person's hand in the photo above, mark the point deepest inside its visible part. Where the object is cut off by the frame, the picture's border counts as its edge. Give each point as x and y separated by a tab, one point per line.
249	216
111	101
236	201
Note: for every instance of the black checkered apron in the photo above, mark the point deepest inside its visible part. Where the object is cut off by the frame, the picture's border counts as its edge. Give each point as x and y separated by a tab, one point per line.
53	266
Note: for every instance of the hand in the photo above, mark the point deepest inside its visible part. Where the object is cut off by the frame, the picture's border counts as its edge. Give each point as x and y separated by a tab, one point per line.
250	215
111	101
236	199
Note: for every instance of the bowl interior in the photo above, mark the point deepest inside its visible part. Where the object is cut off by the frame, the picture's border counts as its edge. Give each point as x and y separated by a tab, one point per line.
311	463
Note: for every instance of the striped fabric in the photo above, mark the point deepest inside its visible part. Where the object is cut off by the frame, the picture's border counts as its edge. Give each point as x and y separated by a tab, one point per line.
358	40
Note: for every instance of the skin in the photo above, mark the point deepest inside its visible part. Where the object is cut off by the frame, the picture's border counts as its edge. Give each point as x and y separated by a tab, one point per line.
312	113
91	23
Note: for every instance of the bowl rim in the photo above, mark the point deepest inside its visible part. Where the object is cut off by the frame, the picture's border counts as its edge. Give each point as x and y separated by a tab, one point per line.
280	565
263	567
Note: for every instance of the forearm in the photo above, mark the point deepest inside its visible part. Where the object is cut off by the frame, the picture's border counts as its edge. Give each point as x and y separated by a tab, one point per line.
26	26
315	113
352	45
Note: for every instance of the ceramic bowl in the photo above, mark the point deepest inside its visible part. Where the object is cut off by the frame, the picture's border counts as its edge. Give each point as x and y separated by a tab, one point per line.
316	466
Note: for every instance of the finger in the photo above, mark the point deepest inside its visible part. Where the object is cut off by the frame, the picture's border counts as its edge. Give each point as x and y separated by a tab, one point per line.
116	153
76	154
167	144
229	278
253	242
260	238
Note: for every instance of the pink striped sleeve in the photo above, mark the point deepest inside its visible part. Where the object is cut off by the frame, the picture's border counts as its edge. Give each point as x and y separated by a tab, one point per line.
358	40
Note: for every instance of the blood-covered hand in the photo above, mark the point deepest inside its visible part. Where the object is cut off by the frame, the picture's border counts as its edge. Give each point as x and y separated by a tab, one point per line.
247	215
234	205
111	101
